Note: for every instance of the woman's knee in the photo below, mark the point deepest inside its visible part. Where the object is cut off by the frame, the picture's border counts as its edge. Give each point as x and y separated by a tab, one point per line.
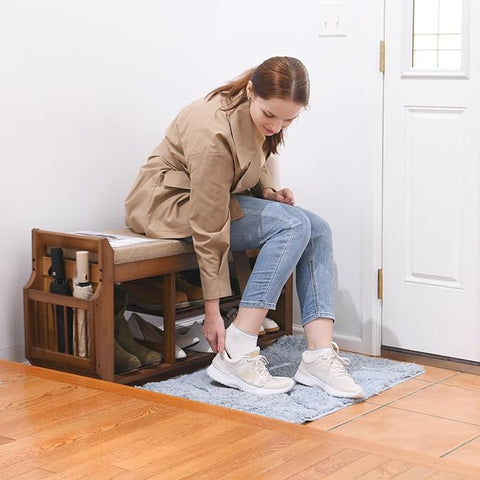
319	227
294	220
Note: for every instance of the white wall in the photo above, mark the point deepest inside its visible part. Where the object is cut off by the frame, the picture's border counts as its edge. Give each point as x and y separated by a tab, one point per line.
88	88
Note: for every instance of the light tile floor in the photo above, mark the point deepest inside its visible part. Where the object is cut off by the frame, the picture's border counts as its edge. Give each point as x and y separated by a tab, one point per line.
437	413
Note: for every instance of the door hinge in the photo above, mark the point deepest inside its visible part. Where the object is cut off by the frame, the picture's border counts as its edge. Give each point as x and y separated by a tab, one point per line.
380	283
382	56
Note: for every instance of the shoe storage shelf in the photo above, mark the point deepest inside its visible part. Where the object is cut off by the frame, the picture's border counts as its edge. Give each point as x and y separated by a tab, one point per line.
44	311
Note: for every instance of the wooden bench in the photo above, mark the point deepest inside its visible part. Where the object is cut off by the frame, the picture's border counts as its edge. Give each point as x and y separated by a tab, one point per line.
109	266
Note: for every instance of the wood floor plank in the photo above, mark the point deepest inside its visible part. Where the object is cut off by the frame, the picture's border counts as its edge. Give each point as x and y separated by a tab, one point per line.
331	464
35	474
303	460
387	471
88	471
447	476
45	411
75	426
267	462
64	442
15	395
164	458
11	376
240	457
169	453
416	473
117	443
219	460
4	440
369	465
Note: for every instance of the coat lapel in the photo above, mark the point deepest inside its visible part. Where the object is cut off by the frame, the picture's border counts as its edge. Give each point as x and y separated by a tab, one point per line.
248	143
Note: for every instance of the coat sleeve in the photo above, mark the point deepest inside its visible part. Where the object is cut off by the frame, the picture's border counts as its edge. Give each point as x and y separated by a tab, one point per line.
265	181
211	177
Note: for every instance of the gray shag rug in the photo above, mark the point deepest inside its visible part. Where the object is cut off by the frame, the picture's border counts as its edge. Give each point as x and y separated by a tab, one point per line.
302	404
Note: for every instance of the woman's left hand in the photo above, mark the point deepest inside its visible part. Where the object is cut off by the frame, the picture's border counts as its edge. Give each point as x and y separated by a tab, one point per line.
285	195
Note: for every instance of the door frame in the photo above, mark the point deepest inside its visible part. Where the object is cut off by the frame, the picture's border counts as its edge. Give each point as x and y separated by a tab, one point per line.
370	341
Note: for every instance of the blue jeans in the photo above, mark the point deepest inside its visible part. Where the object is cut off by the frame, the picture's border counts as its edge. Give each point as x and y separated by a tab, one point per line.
289	238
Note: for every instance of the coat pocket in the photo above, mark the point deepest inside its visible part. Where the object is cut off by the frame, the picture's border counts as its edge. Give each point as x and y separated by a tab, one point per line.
176	179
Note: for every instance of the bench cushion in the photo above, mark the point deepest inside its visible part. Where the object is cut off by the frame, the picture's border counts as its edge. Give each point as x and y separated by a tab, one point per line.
155	248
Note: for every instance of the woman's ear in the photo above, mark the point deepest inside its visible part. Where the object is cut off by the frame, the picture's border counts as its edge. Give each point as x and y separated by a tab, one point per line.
249	89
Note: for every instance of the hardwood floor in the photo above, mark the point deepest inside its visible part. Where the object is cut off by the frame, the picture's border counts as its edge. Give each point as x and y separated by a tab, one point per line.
60	426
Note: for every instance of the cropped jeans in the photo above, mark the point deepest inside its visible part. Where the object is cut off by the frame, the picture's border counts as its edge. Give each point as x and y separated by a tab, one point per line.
289	238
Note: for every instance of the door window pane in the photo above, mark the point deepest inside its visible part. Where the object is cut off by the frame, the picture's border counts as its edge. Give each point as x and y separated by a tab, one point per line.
450	57
425	42
450	16
450	42
437	34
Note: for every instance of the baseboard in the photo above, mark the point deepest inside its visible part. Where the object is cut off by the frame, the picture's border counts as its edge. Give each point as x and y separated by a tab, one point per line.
14	354
297	330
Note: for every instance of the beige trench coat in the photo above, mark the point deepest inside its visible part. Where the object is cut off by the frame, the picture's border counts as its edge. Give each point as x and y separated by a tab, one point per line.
188	185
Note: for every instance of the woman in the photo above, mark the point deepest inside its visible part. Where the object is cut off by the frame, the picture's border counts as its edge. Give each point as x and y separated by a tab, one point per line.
207	181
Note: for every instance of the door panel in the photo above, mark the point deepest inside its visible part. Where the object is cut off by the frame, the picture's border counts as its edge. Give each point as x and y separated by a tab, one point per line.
434	181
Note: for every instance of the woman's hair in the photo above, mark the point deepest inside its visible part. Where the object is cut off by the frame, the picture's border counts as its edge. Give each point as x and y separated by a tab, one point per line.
285	78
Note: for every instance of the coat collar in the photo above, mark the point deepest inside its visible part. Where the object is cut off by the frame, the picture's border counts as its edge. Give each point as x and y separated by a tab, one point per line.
246	136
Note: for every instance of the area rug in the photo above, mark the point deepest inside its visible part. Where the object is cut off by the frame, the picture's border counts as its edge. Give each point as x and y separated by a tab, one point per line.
302	404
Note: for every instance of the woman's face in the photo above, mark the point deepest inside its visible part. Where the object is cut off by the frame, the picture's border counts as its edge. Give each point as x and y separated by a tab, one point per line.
271	116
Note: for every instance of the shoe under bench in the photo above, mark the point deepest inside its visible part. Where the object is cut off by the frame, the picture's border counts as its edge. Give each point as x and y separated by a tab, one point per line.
110	266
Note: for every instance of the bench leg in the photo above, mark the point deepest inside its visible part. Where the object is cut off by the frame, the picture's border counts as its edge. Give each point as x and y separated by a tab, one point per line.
169	318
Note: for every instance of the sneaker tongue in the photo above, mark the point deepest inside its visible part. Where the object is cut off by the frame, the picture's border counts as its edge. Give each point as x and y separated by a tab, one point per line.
254	354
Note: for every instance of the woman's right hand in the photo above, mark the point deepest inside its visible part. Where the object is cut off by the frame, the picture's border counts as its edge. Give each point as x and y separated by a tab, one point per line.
214	326
285	195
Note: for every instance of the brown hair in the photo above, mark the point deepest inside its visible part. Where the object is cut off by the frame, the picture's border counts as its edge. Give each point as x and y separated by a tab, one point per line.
278	77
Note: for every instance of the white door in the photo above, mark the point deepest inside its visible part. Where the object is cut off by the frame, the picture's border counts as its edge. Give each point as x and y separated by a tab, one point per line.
431	177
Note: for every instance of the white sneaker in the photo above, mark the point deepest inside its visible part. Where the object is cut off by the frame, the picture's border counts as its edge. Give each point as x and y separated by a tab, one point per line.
270	326
328	372
249	374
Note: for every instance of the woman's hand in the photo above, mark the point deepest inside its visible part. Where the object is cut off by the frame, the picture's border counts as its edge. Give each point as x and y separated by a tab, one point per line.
214	326
285	195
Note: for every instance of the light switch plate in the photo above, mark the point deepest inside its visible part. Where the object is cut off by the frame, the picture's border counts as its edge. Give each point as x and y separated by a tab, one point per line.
333	18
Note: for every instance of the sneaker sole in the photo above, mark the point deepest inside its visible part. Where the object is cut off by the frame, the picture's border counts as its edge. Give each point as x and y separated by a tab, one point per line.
231	381
196	303
272	330
312	381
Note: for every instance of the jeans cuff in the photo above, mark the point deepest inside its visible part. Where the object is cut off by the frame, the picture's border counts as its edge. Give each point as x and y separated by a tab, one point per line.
314	316
247	304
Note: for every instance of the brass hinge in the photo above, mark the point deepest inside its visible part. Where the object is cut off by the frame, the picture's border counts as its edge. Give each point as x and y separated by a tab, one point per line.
382	56
380	284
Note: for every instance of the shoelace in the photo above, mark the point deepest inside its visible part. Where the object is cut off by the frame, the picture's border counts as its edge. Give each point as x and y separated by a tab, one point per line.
260	367
336	362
